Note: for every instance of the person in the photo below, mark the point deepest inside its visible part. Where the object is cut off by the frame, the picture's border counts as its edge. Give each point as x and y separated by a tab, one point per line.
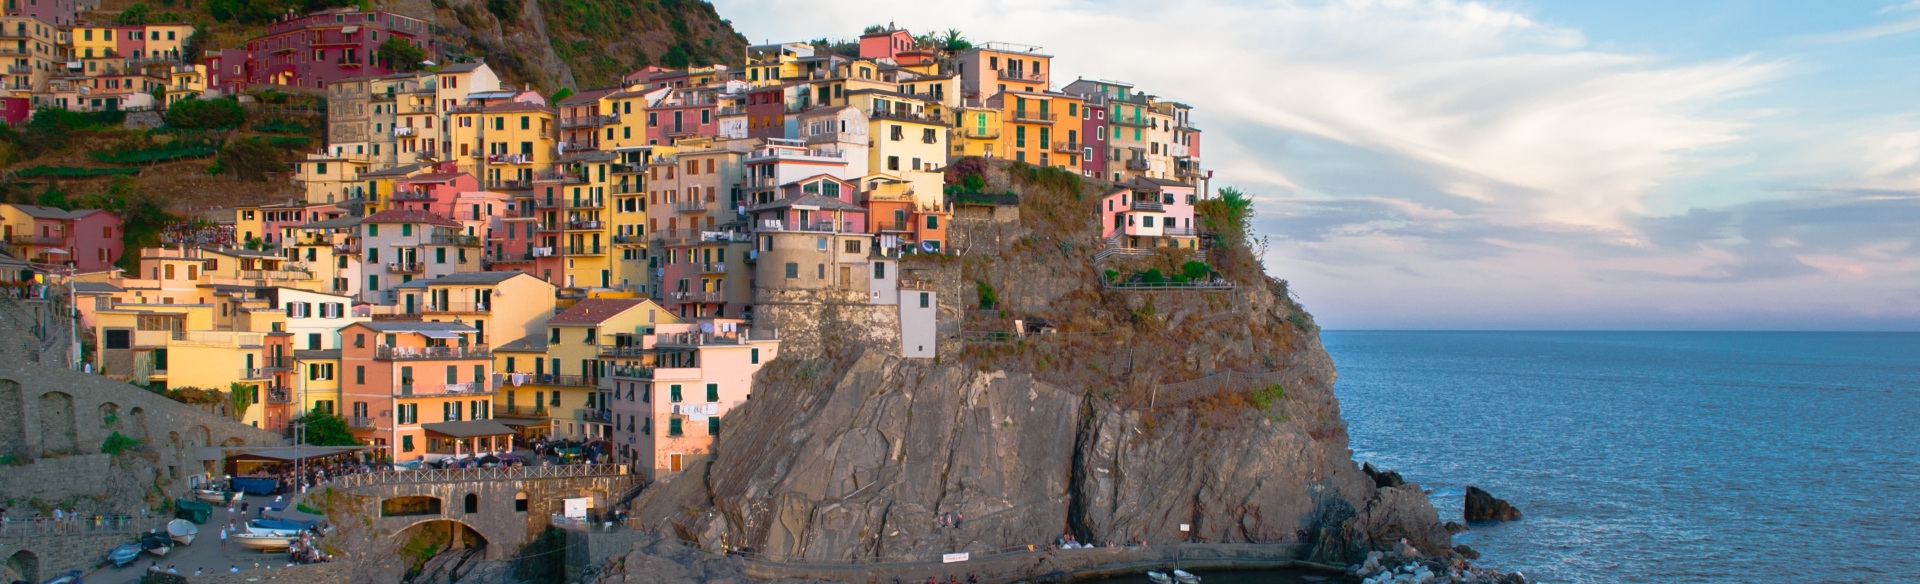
197	571
959	519
171	570
223	538
233	568
153	566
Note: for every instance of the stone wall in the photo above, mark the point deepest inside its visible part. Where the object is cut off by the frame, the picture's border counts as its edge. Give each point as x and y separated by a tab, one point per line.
50	555
336	572
50	414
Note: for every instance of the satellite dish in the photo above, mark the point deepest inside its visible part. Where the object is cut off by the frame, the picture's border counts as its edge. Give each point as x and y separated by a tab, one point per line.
926	246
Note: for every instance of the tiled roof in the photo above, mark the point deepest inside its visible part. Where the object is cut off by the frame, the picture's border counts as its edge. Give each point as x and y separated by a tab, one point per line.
460	67
595	310
409	216
408	326
435	177
402	170
526	344
1161	182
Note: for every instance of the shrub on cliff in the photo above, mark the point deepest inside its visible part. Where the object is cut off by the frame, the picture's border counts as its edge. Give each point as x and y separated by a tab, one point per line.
118	443
250	159
206	113
1229	217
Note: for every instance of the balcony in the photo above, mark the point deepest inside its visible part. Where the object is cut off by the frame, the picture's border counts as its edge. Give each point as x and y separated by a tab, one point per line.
1034	116
1067	147
20	69
454	307
1135	122
409	389
815	226
565	380
352	248
35	240
1145	205
361	423
587	202
520	411
278	396
454	239
511	258
411	195
406	267
695	205
586	224
1137	164
697	296
402	131
219	339
254	374
593	416
906	116
392	353
548	203
571	178
715	268
1021	76
628	239
589	121
697	339
581	250
624	351
509	159
979	133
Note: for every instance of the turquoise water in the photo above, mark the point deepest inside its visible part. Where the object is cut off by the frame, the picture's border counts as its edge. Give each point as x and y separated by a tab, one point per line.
1655	457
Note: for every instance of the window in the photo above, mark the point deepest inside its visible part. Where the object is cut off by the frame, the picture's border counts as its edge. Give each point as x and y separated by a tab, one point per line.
853	246
553	336
755	356
893	163
673	393
471	503
897	132
929	136
822	269
360	341
713	425
925	299
713	392
793	271
406	443
360	374
119	339
673	428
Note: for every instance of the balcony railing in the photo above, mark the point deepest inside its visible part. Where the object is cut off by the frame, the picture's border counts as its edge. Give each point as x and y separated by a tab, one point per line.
816	226
256	373
697	296
457	307
594	416
401	353
627	238
406	267
1067	147
536	411
1137	164
694	339
585	250
35	240
587	121
1146	205
695	205
977	132
509	158
714	268
572	178
624	351
439	389
360	423
403	130
454	239
1021	75
1135	122
411	195
587	202
585	224
1034	116
278	396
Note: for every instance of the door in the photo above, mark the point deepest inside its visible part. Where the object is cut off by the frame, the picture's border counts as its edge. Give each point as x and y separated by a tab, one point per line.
846	277
673	462
410	304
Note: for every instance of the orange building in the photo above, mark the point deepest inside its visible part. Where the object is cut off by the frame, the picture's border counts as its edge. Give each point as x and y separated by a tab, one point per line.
400	376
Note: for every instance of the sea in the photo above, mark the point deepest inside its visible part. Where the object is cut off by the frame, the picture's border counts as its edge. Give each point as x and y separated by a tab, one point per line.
1655	456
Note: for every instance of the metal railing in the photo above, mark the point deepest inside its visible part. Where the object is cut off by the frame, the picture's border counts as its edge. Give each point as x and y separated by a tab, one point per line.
1137	164
1034	116
405	267
696	296
457	306
1021	75
695	205
439	389
1145	205
694	339
454	239
819	226
501	473
395	353
82	524
595	416
360	423
1069	147
278	396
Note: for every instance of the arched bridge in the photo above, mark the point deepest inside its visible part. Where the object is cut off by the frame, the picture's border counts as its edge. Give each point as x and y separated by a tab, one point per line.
506	506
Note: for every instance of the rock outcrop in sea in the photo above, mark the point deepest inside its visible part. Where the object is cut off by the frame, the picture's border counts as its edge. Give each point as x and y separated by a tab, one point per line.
1152	417
1483	506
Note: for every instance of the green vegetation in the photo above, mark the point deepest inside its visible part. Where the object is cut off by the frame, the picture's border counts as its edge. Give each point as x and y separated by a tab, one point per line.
117	444
401	55
973	183
954	42
603	40
1265	397
281	127
259	12
325	429
1045	176
206	114
1112	274
1195	270
987	297
563	93
250	159
1229	216
239	397
175	150
71	172
303	508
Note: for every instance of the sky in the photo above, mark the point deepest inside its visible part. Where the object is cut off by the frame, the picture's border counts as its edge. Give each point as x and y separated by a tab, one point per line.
1544	164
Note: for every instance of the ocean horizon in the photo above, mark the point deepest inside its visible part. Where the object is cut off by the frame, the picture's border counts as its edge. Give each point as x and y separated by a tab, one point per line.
1654	456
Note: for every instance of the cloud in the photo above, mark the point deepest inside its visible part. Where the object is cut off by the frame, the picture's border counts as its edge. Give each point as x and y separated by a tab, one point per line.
1455	164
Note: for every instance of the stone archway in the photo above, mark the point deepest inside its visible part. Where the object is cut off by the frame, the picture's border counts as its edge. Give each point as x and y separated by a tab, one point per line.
110	416
136	426
57	431
198	436
22	565
416	543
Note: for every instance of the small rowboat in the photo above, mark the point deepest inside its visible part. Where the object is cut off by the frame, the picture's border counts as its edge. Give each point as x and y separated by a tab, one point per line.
125	554
71	577
1183	577
212	495
156	544
263	542
182	531
1158	577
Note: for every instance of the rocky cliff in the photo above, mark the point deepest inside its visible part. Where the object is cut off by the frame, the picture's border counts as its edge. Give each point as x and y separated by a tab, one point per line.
1138	412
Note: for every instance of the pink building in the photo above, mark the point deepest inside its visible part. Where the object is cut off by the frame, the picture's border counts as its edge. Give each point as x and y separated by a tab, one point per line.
1148	213
326	46
512	246
885	44
88	239
682	113
55	12
668	399
14	110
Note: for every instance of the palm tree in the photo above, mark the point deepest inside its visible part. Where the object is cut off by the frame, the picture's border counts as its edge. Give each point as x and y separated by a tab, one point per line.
954	42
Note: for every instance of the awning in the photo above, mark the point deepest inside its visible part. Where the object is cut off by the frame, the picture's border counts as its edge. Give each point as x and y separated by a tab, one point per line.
440	334
289	454
468	429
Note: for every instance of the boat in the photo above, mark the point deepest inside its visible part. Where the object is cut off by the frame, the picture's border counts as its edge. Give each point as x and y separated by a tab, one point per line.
71	577
1158	577
255	485
191	510
212	496
156	544
280	524
263	541
125	554
1185	577
182	531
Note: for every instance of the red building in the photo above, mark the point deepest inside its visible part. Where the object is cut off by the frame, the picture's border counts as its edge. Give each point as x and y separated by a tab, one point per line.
320	48
55	12
884	44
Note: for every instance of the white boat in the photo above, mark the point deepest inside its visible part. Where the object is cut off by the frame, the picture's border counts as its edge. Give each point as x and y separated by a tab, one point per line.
182	531
1184	577
263	542
215	496
156	544
1158	578
268	531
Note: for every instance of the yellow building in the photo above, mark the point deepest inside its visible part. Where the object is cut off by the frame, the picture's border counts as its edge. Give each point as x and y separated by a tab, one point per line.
562	371
163	41
93	41
316	381
769	64
32	54
1042	129
977	132
505	145
185	82
500	306
332	179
